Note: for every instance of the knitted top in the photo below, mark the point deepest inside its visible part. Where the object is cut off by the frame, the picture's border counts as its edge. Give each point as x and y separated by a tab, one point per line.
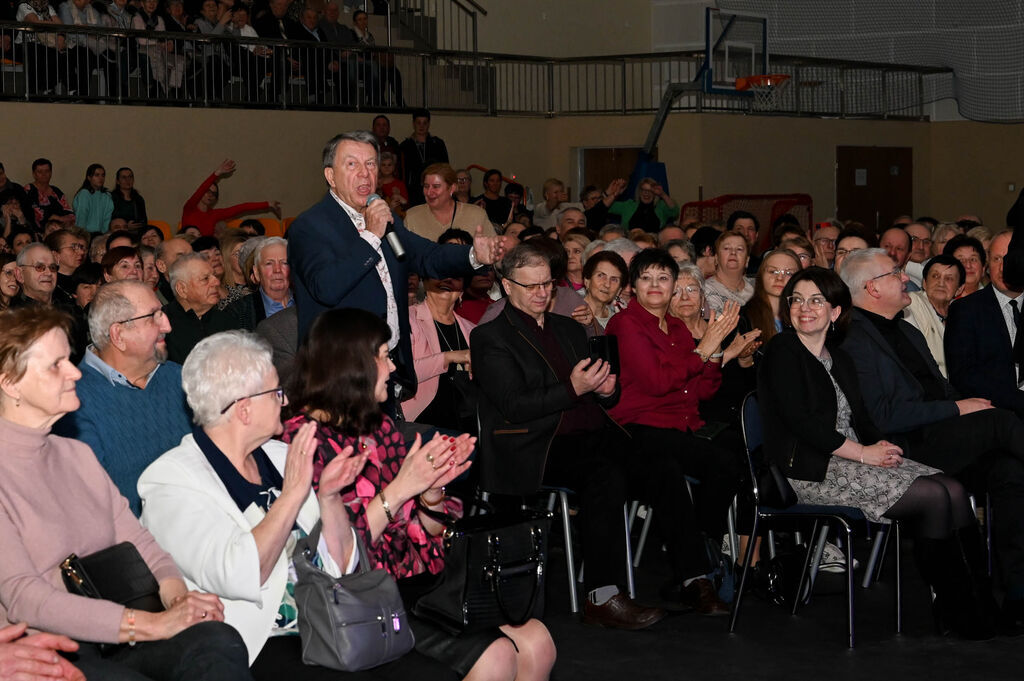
55	499
126	427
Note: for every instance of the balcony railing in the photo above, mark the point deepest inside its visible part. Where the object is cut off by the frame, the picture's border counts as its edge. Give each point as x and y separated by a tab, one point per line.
56	63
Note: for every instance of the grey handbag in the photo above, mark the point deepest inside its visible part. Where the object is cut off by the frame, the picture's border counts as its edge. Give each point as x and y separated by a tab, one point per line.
352	622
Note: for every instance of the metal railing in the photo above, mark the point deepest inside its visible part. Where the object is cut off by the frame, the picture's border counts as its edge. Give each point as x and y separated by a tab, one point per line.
440	24
84	64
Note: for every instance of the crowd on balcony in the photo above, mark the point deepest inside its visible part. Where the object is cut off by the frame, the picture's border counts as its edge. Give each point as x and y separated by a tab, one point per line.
210	391
335	71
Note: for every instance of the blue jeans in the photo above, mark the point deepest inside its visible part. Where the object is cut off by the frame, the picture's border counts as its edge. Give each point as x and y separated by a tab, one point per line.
211	651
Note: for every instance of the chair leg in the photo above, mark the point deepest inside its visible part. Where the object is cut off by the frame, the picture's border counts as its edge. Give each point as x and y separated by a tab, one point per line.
816	562
570	557
849	581
743	575
629	554
899	578
877	546
805	569
734	540
643	537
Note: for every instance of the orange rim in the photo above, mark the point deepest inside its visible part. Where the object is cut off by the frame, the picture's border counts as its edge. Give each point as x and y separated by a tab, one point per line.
763	80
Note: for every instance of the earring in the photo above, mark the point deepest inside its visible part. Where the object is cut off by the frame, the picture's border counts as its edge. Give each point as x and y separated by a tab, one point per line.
17	401
832	327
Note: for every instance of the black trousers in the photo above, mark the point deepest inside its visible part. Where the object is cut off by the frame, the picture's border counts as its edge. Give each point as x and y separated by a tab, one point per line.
985	451
281	658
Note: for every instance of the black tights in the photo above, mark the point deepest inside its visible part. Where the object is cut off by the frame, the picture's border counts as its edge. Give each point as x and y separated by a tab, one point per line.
937	504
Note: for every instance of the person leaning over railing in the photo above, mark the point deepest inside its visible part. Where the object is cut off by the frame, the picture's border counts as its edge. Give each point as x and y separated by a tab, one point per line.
57	500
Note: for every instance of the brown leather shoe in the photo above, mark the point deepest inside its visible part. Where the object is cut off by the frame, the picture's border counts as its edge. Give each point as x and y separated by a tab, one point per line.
620	612
702	597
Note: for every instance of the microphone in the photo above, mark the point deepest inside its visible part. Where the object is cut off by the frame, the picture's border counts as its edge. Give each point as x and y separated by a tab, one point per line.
389	231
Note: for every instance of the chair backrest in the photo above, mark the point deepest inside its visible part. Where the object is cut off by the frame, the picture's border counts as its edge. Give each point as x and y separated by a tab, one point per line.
750	422
163	226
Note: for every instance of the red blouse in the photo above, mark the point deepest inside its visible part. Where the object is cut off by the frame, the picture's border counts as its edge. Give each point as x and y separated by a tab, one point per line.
207	220
405	548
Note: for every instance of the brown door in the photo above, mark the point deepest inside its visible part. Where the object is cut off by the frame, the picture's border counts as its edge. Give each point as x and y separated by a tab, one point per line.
602	165
874	185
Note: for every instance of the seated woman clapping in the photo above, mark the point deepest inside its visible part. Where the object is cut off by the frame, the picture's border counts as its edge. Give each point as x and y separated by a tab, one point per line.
229	503
820	434
340	380
58	500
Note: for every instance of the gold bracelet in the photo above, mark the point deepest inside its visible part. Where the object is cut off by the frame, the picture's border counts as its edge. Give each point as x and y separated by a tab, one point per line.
387	507
131	627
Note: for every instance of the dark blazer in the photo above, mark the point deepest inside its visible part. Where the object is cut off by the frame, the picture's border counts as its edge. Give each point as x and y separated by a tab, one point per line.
521	398
979	355
894	398
332	267
413	165
799	407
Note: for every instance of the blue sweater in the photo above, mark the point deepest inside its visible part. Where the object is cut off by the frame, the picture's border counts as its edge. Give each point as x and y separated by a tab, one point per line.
126	427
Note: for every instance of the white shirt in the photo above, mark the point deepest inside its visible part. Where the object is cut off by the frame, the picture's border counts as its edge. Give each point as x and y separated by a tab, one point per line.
1007	310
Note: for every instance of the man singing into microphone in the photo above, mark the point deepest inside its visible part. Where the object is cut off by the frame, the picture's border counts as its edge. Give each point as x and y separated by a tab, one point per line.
340	257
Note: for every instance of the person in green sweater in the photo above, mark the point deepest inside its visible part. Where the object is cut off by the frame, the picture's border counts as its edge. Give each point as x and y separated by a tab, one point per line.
93	205
649	211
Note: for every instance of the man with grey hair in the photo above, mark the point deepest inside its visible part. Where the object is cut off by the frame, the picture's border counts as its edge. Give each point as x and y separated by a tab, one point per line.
194	313
167	252
36	272
272	273
543	421
350	250
913	405
611	232
132	405
570	217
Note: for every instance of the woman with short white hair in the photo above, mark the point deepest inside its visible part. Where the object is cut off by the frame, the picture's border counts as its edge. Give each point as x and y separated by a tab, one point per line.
252	496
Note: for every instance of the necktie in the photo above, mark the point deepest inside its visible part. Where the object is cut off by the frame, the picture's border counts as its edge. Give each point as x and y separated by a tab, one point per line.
1018	344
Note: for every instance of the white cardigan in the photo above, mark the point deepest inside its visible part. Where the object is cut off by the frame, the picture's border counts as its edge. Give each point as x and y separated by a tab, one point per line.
190	513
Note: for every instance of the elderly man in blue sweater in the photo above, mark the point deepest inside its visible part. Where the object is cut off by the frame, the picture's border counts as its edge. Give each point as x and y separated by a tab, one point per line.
133	407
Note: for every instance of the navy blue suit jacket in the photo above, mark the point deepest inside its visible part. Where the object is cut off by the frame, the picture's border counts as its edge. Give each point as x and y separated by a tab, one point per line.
333	267
979	355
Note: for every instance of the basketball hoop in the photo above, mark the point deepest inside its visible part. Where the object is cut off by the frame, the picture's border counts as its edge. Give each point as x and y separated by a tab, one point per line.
767	89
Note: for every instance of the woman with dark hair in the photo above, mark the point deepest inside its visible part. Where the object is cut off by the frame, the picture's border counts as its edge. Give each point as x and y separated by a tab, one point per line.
93	205
341	377
603	276
21	237
820	434
498	207
151	236
121	262
663	377
971	255
441	211
128	203
8	279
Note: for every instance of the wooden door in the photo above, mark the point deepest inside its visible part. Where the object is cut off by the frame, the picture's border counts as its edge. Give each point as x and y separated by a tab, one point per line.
874	185
599	166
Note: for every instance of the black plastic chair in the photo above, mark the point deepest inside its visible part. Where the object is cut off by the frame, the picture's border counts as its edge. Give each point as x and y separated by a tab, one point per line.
841	517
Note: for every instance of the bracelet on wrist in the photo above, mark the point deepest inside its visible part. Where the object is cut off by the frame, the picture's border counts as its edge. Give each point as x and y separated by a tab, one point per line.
717	355
703	357
386	506
131	627
440	500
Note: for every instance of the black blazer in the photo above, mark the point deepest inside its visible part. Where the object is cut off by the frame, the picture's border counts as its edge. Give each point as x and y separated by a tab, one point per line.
333	267
799	407
979	355
521	399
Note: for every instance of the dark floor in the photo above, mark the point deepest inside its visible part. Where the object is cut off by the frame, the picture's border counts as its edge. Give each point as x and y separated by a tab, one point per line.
771	644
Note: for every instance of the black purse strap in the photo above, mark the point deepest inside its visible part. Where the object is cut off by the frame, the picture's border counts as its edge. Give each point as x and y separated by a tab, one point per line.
496	570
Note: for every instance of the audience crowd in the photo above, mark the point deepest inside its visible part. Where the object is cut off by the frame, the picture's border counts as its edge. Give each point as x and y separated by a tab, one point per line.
213	394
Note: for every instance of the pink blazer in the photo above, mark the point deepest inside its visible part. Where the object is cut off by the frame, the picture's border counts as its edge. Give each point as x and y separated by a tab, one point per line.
427	357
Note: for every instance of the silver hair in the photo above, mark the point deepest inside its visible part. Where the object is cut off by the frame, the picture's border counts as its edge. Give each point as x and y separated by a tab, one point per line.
161	248
523	255
857	269
622	246
591	248
111	305
684	244
221	368
360	136
245	255
690	270
566	209
26	252
179	270
263	244
607	229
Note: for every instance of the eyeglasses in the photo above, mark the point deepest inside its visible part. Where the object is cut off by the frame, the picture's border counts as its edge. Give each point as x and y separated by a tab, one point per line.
780	273
77	248
534	288
157	315
895	272
925	240
814	302
688	290
806	257
41	267
825	242
846	251
278	392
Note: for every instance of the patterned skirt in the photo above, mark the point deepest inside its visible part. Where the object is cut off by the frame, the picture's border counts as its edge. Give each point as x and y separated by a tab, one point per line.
872	489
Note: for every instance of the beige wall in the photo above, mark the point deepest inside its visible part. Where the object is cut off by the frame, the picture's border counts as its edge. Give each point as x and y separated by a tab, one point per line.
958	166
565	28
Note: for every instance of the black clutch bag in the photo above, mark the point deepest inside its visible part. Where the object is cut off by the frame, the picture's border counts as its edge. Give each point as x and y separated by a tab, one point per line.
117	574
493	575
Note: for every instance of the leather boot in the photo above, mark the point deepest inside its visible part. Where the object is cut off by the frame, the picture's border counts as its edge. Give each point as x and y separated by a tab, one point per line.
956	607
975	554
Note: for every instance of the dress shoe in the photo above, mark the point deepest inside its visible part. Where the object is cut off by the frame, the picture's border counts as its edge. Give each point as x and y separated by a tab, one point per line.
620	612
700	594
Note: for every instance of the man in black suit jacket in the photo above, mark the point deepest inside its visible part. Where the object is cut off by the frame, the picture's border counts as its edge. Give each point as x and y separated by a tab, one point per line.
912	403
275	23
980	334
339	255
542	420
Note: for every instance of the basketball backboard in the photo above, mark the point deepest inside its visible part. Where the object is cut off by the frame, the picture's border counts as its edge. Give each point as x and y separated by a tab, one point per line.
735	46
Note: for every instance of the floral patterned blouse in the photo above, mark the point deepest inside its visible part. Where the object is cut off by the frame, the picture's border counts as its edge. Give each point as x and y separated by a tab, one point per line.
405	548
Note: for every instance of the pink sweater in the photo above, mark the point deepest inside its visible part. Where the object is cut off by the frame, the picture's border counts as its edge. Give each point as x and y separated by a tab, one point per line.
56	499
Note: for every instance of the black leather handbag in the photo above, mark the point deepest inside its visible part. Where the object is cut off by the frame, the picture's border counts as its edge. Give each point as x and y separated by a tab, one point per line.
117	573
493	575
